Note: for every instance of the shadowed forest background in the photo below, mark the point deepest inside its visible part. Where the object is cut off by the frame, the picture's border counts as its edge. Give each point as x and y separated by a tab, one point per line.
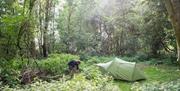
39	37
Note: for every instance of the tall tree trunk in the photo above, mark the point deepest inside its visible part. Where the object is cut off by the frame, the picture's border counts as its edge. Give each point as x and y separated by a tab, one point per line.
40	11
25	31
45	47
173	8
69	30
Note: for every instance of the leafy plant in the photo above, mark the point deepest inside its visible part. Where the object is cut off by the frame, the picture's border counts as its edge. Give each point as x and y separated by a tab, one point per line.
10	72
56	63
155	86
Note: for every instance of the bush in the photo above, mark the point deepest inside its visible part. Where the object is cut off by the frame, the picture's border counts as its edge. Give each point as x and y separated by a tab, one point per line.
78	83
10	72
84	56
141	56
90	78
56	63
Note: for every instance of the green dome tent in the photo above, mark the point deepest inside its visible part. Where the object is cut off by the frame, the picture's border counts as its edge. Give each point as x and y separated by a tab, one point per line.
121	69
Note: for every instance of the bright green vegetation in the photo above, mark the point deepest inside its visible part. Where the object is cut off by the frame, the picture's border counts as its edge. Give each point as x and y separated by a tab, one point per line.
161	74
39	37
90	78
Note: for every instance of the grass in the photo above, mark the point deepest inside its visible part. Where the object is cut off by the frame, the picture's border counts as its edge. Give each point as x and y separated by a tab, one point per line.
155	74
124	86
162	73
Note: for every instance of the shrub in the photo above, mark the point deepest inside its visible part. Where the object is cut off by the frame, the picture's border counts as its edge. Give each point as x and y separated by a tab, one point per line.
141	56
77	83
56	63
10	72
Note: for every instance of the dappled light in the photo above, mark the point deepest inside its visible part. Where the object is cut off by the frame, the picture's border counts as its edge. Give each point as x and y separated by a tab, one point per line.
89	45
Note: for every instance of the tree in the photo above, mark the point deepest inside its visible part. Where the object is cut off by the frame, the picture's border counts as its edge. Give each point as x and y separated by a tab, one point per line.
16	20
45	27
47	15
173	8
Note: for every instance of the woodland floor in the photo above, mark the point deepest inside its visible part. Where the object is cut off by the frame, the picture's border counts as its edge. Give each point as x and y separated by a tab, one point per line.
159	77
156	75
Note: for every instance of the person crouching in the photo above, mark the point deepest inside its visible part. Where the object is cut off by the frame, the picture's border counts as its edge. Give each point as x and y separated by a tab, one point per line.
73	66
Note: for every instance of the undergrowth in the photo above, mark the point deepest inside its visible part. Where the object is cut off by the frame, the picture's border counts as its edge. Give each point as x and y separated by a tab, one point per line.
159	76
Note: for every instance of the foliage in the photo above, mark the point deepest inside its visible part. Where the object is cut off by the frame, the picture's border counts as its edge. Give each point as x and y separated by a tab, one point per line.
16	30
10	72
88	28
155	86
56	63
90	79
159	78
89	75
162	72
78	83
155	28
94	31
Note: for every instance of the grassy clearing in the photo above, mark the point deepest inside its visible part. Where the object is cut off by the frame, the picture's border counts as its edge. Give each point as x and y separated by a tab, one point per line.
155	74
162	73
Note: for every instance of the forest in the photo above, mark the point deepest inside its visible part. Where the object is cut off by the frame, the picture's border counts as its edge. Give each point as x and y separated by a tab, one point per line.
89	45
